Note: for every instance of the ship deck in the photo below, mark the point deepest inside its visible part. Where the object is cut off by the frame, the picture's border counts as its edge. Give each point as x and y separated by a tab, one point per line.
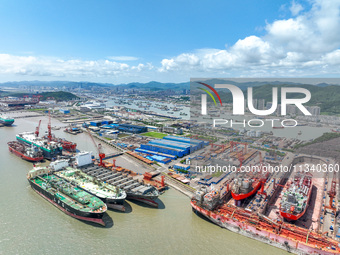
82	200
116	178
84	181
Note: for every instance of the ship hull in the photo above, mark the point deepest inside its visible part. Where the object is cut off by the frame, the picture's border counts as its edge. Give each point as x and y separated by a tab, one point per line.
292	217
71	148
7	123
85	216
150	200
268	237
47	154
19	154
244	196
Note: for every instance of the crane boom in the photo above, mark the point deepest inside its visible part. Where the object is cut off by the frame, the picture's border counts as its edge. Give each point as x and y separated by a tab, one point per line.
37	129
98	147
49	136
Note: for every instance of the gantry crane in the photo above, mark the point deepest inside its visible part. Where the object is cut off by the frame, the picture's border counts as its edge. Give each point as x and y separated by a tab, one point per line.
332	193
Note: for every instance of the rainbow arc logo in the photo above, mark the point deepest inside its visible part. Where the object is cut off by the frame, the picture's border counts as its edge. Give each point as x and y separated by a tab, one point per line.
209	93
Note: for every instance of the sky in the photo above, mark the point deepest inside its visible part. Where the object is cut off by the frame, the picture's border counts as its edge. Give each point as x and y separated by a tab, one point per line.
121	41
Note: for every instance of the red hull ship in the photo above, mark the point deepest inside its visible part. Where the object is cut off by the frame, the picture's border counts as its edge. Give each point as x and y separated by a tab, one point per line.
295	196
32	154
247	185
246	189
282	235
67	145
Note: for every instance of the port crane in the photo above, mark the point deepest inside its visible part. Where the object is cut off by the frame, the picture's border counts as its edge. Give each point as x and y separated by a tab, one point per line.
49	128
332	193
37	129
98	147
263	178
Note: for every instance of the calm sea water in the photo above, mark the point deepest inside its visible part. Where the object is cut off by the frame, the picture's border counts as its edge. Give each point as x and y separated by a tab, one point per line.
31	225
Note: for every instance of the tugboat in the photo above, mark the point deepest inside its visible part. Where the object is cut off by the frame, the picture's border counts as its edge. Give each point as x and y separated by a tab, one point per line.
29	153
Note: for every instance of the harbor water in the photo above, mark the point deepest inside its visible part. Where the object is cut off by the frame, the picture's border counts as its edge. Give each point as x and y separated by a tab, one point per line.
31	225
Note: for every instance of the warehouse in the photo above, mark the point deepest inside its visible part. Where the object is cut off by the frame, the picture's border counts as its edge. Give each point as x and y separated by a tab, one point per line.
163	149
155	153
197	143
134	129
172	144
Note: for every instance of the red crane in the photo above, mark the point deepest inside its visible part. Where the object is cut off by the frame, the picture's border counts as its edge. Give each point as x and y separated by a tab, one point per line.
37	129
332	193
49	135
99	149
264	176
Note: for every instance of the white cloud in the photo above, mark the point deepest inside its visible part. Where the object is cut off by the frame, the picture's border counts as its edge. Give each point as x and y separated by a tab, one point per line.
306	44
122	58
47	66
295	8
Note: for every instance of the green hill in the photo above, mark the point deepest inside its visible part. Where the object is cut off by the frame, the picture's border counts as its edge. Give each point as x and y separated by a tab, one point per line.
59	95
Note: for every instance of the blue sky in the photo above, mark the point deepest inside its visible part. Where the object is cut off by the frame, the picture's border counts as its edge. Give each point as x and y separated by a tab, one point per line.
169	41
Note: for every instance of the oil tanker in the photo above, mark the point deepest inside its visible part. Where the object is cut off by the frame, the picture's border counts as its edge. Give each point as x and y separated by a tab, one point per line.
70	199
111	195
29	153
254	225
134	189
295	196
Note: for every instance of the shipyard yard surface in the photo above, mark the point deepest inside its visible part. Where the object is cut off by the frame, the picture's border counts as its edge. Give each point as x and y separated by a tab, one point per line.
31	225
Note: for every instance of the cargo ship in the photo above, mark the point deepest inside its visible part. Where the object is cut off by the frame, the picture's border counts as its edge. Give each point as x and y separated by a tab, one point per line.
295	196
6	121
67	145
67	197
134	189
246	186
254	225
111	195
50	149
29	153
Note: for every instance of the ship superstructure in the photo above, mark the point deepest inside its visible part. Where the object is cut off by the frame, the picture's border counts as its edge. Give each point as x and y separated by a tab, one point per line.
50	149
295	196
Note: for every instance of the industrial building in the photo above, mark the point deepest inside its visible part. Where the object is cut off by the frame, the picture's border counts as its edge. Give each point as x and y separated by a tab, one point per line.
155	153
163	149
64	111
172	145
134	129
